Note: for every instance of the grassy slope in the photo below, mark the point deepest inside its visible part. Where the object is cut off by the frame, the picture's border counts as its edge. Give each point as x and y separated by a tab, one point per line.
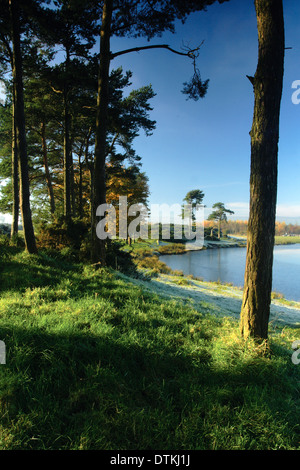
96	362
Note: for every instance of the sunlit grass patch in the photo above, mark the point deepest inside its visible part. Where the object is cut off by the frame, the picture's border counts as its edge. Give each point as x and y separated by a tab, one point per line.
95	361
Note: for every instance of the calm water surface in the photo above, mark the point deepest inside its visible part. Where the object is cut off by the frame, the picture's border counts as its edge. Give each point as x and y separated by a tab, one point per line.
228	265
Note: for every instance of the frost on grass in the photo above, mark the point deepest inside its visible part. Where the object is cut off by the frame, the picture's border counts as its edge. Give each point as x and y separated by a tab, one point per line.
215	298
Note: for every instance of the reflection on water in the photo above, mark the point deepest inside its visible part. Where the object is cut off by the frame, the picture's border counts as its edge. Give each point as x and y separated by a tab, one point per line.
228	265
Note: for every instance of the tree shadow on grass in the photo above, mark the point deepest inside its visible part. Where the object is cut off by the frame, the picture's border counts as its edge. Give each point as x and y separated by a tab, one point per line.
79	390
32	271
44	270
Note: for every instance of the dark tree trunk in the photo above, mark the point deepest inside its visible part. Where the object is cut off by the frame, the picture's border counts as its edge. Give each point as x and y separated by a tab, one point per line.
46	168
99	185
72	182
67	158
80	201
267	84
90	167
83	153
30	242
15	178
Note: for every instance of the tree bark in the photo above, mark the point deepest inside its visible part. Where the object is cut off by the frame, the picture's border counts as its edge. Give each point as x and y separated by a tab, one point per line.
29	236
99	184
81	163
46	168
67	152
72	181
15	177
264	134
80	200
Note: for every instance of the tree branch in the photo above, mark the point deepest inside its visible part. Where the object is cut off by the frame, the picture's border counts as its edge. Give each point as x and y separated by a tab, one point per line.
251	79
190	53
113	143
7	45
55	91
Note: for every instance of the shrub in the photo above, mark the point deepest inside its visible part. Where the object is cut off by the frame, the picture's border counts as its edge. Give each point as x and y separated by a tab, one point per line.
173	248
59	235
4	240
4	229
177	272
211	234
119	259
154	263
276	295
182	282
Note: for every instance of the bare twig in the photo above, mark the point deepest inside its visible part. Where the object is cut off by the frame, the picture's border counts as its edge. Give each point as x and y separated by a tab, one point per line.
190	52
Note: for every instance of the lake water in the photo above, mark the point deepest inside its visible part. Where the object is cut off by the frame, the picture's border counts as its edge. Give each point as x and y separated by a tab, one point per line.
228	265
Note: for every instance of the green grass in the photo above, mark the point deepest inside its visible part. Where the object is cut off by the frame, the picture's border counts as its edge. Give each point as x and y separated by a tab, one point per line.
95	362
281	240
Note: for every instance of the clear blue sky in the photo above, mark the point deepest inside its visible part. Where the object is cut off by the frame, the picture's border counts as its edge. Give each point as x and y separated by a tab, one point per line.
206	144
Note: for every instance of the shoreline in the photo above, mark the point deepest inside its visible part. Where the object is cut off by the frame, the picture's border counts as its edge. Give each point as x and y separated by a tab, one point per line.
207	245
223	300
213	245
277	297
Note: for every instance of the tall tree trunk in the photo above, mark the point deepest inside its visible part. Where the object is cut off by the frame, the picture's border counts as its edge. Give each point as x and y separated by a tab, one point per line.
67	158
30	242
82	152
67	142
80	201
15	177
90	168
72	181
267	84
46	168
99	185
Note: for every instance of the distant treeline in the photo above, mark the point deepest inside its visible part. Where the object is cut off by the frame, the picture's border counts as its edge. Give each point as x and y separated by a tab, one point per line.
239	227
175	232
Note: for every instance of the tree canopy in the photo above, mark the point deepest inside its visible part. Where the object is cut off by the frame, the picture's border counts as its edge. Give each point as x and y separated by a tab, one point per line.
71	128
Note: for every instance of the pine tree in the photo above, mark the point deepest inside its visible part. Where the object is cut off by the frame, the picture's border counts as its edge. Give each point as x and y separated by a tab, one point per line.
73	28
139	19
219	215
267	84
19	127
